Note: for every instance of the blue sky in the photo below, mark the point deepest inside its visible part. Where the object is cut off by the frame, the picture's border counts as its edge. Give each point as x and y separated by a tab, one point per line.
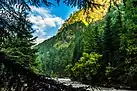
47	21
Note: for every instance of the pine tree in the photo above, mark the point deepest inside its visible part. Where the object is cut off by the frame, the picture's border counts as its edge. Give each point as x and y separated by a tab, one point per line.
78	48
107	43
112	33
116	33
93	37
130	43
19	41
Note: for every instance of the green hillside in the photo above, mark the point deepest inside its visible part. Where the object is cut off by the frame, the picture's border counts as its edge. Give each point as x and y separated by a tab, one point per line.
102	52
57	51
96	47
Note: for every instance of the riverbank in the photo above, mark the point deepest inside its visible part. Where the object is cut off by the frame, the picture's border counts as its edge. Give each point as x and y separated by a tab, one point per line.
75	84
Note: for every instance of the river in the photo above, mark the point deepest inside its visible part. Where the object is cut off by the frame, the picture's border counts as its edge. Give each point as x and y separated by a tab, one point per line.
75	84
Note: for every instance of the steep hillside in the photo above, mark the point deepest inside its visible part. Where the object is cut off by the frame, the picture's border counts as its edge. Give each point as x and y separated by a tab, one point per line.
57	51
89	15
103	53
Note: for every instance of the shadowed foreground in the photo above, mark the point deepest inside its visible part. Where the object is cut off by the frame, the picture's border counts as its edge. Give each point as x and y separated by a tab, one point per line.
15	77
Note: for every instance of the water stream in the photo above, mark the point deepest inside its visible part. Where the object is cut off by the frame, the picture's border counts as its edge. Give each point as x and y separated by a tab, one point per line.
75	84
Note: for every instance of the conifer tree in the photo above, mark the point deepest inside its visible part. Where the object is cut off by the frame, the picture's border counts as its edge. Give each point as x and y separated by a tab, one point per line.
19	41
130	44
112	31
116	33
107	43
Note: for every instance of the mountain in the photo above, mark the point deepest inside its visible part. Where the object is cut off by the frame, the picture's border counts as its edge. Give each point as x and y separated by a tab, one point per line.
58	51
100	53
89	15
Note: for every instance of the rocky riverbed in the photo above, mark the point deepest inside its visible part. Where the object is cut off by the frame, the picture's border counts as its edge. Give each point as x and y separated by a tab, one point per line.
75	84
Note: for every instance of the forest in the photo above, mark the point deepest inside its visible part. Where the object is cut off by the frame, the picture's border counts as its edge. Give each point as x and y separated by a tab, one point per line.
101	51
96	45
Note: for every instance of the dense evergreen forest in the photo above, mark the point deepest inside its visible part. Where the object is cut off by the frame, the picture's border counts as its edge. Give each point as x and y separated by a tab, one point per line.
19	68
97	45
101	51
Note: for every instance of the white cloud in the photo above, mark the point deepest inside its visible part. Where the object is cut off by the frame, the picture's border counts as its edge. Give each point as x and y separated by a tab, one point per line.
43	19
41	39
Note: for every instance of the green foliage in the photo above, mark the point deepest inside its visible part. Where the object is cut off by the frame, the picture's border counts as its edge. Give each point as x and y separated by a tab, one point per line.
93	37
18	42
111	39
129	44
102	53
57	52
87	66
25	5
